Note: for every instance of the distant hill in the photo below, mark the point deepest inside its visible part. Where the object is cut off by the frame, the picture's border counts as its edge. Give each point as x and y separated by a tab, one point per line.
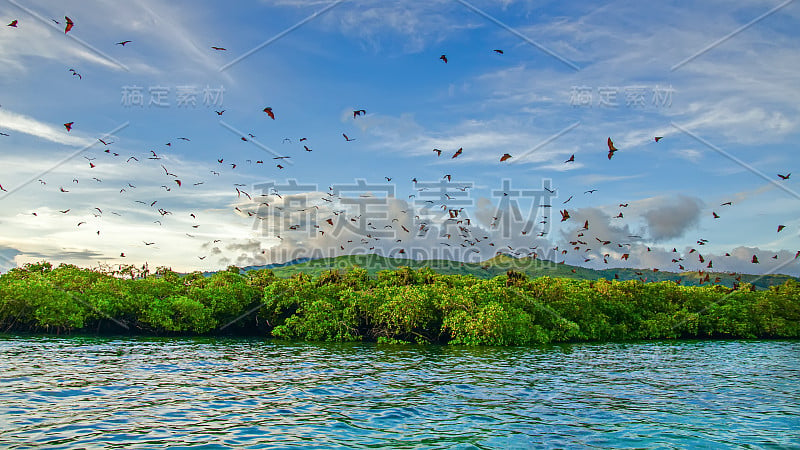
268	266
498	265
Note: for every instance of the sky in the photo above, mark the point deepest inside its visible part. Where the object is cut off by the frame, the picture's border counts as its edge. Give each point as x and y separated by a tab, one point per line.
538	81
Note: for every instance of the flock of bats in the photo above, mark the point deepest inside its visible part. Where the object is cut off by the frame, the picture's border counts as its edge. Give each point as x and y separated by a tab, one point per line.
580	243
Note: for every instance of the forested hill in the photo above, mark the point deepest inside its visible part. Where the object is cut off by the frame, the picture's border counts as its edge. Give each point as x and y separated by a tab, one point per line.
533	268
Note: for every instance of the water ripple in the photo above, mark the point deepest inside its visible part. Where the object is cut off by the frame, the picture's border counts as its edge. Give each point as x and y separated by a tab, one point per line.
224	393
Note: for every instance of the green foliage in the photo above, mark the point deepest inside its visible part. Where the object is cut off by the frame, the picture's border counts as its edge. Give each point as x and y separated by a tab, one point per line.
178	314
301	309
407	305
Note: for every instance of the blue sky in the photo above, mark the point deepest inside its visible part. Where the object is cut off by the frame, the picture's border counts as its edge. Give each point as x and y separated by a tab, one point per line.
722	93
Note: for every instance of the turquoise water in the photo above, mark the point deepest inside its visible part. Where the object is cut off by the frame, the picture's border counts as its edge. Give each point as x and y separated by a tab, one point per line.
79	392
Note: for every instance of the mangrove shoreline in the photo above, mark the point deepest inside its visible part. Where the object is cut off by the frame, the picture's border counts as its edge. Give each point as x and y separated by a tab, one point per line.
394	306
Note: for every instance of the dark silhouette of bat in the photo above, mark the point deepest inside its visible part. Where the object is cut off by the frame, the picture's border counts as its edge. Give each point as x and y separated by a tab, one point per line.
219	113
658	138
611	148
564	215
505	157
68	126
347	138
123	43
269	112
359	112
13	23
785	177
443	58
716	216
780	227
167	171
69	26
571	159
498	51
726	203
438	152
458	152
219	48
754	260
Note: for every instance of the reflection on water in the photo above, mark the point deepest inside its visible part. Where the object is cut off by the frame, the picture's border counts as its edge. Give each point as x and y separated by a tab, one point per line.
100	392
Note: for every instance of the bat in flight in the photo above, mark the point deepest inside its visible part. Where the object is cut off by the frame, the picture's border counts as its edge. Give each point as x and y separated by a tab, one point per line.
359	112
505	157
122	43
443	58
785	177
219	48
269	112
13	23
458	152
347	138
611	148
68	126
69	26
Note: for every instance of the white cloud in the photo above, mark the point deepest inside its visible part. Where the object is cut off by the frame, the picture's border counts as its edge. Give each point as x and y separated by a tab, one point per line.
53	133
